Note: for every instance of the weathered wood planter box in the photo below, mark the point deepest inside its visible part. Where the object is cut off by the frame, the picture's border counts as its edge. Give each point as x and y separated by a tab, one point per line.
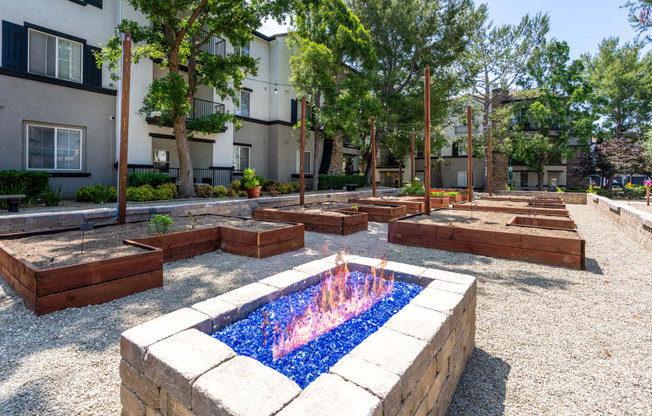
523	199
559	224
510	209
413	207
333	222
435	201
567	250
73	286
234	240
381	213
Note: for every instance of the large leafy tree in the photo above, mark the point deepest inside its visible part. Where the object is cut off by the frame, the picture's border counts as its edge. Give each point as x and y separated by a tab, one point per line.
622	83
331	55
174	37
554	108
496	60
408	36
625	156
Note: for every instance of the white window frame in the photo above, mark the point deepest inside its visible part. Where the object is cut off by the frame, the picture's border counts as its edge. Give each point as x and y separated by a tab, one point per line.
167	155
244	50
466	173
249	158
297	161
81	147
239	107
56	57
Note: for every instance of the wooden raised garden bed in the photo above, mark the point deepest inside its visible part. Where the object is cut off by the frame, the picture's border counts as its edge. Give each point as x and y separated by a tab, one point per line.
380	213
524	198
413	207
50	272
488	234
556	223
317	219
74	286
435	201
514	207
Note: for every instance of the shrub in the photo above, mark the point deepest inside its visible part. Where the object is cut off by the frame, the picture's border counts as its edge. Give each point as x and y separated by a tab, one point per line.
591	190
154	179
31	183
140	193
83	194
272	191
219	191
52	196
260	179
243	194
634	191
11	189
414	187
163	193
340	181
231	193
605	192
160	223
235	185
284	187
170	187
268	184
204	191
99	194
112	192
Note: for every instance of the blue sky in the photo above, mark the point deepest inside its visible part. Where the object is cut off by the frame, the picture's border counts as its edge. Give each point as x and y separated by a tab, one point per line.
581	23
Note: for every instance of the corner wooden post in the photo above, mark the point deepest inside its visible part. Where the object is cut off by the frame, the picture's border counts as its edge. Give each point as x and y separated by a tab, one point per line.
124	130
490	164
469	178
302	152
426	140
647	191
412	157
373	156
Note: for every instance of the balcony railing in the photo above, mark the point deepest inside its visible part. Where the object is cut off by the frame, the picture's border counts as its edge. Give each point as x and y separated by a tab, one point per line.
202	108
216	46
213	176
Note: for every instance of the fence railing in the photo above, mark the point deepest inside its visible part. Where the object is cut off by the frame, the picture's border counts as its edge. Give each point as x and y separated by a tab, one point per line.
213	176
216	46
202	108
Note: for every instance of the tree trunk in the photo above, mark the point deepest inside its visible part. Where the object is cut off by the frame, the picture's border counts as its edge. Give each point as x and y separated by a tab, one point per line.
316	162
186	184
540	181
367	171
337	155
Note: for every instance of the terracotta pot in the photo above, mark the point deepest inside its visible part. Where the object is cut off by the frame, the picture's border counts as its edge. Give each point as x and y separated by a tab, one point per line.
253	192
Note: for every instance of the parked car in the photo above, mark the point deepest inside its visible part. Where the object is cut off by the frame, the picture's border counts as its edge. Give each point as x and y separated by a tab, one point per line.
618	183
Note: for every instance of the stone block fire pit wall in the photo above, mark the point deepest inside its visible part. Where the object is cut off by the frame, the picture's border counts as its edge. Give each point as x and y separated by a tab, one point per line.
410	366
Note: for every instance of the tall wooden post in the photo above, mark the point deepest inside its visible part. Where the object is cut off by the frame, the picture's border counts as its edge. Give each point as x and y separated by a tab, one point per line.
124	130
412	157
302	154
373	156
490	164
469	178
426	140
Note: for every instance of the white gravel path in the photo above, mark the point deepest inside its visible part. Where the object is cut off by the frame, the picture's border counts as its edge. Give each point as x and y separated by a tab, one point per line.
541	338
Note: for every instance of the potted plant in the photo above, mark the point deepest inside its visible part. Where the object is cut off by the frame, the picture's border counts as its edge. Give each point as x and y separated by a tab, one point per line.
250	183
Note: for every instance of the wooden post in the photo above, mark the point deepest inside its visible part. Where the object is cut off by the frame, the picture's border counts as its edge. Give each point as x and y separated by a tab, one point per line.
124	130
490	164
426	140
302	153
469	178
647	191
412	159
373	156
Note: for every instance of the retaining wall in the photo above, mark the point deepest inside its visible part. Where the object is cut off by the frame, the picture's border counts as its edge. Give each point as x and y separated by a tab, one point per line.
577	198
17	223
634	222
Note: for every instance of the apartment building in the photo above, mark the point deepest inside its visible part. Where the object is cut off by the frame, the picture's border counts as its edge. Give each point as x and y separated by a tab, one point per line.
61	114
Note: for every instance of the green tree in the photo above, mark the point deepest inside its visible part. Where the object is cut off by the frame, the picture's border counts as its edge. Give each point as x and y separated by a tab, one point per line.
408	36
555	109
496	59
174	36
331	52
622	84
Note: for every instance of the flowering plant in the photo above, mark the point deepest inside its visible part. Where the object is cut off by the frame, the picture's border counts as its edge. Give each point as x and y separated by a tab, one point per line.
648	183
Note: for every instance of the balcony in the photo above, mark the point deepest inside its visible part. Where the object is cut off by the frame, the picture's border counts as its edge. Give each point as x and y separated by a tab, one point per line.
212	176
216	46
200	108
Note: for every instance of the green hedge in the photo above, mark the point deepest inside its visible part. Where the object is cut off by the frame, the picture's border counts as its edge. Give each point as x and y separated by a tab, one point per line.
32	184
153	179
340	181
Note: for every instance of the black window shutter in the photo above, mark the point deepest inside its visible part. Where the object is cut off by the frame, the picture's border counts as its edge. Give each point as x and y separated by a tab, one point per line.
92	74
14	46
96	3
293	112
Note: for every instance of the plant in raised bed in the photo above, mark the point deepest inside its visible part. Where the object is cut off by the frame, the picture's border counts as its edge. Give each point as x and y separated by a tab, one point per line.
251	183
161	223
414	187
355	208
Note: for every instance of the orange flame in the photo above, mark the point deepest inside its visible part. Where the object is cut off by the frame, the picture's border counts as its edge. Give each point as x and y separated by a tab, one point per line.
336	301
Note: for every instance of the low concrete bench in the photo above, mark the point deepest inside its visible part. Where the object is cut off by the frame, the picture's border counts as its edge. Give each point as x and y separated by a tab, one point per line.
12	201
351	187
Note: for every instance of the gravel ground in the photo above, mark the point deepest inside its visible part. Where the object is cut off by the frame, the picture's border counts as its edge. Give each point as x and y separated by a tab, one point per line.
549	340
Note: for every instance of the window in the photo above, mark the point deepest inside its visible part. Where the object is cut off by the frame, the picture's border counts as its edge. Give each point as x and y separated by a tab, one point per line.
54	56
241	157
243	110
462	179
53	148
307	165
241	50
161	158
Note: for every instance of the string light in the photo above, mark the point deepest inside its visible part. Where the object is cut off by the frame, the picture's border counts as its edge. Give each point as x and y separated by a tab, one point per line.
275	89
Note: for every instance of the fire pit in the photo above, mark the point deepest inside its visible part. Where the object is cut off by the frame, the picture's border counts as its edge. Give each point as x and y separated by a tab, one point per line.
365	337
